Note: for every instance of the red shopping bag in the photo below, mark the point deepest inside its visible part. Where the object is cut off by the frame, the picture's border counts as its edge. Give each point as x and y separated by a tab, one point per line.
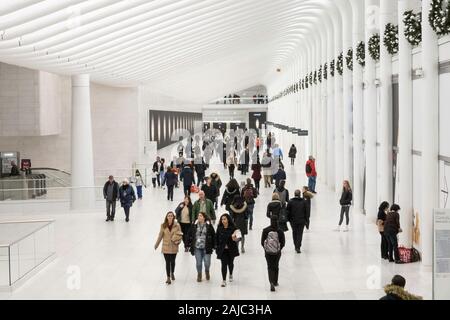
405	254
194	189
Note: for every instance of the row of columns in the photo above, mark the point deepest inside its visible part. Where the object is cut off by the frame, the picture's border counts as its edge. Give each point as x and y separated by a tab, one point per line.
350	117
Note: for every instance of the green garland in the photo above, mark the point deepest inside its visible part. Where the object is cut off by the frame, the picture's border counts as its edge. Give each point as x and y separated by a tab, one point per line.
340	64
361	53
332	67
390	38
349	59
413	27
325	71
374	47
311	78
315	77
439	17
319	74
306	82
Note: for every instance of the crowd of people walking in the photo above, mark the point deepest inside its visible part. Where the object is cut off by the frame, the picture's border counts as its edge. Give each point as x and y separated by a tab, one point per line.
202	230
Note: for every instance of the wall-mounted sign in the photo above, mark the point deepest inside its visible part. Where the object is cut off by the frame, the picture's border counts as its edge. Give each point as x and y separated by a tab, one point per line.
441	255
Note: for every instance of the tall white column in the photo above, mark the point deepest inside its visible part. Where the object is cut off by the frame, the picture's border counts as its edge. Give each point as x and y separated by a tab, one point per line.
339	98
82	159
404	181
430	136
347	89
385	136
330	112
358	104
370	115
317	104
323	108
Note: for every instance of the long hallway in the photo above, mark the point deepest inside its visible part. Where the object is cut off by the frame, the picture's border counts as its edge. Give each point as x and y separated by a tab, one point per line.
99	260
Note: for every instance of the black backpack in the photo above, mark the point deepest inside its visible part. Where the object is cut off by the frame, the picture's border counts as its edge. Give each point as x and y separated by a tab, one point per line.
308	168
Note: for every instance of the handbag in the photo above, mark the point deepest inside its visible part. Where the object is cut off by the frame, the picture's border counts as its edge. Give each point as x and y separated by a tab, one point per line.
194	189
238	235
177	237
380	225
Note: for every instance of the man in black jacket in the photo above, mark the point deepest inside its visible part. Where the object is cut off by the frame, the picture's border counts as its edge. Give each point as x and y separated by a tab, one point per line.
298	216
187	176
111	195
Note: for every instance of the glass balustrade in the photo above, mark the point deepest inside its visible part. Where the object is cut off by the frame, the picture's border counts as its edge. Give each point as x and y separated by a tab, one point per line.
24	246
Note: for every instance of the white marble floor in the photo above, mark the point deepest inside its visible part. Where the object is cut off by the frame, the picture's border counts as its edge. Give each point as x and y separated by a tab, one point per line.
117	260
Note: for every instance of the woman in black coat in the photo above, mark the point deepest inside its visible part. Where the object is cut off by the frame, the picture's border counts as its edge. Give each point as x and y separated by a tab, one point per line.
231	190
202	241
184	217
292	154
226	246
274	207
240	217
382	214
127	198
345	202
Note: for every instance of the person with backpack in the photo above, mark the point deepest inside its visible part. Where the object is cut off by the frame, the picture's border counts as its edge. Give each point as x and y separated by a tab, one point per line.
345	202
293	154
283	194
298	216
311	173
249	193
273	241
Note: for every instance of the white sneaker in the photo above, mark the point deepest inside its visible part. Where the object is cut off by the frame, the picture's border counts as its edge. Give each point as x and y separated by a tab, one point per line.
337	229
224	284
346	229
231	278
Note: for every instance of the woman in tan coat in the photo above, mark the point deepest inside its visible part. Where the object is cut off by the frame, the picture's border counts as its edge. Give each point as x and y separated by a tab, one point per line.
171	236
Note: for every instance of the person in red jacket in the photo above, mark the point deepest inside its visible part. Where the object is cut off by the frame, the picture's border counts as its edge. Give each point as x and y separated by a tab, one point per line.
311	173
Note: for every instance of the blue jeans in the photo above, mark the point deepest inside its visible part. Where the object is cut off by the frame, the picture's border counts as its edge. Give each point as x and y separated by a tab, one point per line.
200	256
139	191
312	184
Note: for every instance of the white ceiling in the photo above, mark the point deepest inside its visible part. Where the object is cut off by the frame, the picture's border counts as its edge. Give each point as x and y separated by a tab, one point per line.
196	50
